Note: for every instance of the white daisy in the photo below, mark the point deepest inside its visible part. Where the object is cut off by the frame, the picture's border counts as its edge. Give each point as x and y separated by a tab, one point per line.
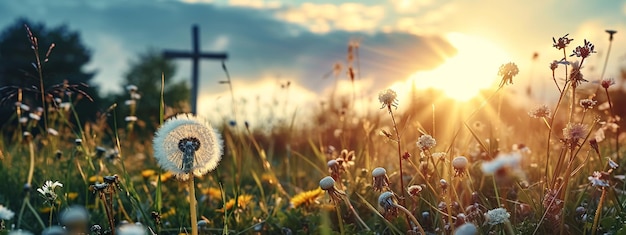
186	144
47	190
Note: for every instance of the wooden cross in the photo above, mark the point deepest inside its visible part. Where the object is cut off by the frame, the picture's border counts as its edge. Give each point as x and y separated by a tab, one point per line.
195	56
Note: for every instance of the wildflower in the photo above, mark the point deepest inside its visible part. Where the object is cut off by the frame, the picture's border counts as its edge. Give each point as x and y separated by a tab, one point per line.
607	82
23	120
466	229
147	173
576	77
553	65
131	118
497	216
511	160
573	132
100	151
334	169
562	42
328	184
387	201
388	98
186	145
135	96
213	193
78	142
598	179
459	164
426	142
5	213
587	103
508	71
96	229
129	102
242	202
414	190
585	50
540	112
612	164
380	179
24	107
347	157
53	132
306	198
47	190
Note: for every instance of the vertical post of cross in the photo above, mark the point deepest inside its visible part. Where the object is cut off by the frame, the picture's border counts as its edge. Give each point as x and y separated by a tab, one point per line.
195	55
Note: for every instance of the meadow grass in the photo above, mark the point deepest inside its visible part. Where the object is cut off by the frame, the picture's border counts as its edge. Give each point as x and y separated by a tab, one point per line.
489	168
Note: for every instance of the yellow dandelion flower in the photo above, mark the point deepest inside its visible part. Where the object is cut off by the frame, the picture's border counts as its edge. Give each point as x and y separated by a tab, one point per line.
242	201
213	193
45	210
168	213
148	173
72	195
96	178
166	176
306	198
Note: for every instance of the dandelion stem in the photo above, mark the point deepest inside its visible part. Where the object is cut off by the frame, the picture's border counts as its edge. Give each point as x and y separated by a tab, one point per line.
192	206
596	219
347	200
608	97
410	215
395	127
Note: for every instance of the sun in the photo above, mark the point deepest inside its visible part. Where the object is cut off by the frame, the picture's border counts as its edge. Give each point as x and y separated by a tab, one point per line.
462	76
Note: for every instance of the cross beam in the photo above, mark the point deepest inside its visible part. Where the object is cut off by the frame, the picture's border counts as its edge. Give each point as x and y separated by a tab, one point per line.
195	55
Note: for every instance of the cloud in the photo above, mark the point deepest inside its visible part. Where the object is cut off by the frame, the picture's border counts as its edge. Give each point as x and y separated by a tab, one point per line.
322	18
258	4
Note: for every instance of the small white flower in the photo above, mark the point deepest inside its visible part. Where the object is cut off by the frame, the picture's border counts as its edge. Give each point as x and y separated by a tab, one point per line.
497	216
47	190
23	120
135	96
388	98
5	213
65	106
426	142
596	180
186	144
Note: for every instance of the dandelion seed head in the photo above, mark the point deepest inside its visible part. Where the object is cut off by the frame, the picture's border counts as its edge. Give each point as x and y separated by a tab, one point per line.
540	112
379	171
5	213
574	132
386	200
497	216
327	183
182	133
466	229
426	142
587	103
388	98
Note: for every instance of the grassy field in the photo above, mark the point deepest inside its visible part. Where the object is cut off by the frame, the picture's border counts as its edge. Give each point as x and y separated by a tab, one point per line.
430	165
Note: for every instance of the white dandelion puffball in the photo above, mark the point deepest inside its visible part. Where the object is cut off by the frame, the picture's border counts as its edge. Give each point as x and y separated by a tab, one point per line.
186	144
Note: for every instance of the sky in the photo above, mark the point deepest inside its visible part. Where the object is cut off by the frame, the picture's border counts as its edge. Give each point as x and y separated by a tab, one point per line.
456	46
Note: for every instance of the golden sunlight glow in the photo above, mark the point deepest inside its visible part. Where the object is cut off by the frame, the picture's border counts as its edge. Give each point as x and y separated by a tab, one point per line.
473	68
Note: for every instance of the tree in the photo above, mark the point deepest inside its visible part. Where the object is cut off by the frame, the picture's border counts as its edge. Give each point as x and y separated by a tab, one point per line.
145	74
62	57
